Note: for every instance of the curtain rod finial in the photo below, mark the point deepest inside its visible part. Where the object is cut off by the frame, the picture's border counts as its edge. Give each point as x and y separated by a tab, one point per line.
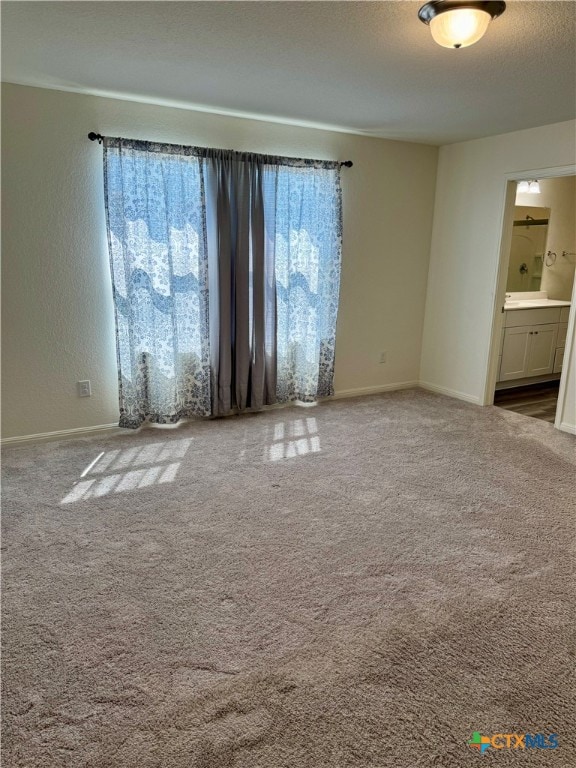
95	137
347	163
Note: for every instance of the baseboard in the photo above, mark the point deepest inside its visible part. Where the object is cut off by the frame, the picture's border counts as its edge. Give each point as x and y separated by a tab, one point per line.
375	390
61	434
526	382
450	392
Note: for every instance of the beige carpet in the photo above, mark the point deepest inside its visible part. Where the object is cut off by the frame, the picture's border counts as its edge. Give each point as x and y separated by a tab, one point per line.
363	583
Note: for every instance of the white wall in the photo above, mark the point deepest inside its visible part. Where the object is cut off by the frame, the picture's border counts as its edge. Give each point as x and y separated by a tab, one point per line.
559	195
57	307
464	260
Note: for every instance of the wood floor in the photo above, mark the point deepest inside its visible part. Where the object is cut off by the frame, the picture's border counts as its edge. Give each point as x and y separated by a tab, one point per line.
536	400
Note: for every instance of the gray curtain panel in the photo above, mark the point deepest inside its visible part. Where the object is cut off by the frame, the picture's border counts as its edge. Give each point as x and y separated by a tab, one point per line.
225	271
242	281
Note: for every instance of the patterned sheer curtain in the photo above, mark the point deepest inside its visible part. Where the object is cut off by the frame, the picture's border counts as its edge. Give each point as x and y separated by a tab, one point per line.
225	271
308	234
159	265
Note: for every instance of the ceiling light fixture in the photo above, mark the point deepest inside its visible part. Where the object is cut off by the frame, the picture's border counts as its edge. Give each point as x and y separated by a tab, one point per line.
534	187
456	24
530	187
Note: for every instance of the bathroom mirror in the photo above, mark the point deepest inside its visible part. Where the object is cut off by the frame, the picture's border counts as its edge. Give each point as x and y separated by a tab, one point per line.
528	249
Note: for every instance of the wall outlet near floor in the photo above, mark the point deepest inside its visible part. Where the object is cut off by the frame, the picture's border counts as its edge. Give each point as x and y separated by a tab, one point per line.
383	357
84	389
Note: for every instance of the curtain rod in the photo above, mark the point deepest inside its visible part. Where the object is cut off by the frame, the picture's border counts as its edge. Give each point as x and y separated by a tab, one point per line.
99	138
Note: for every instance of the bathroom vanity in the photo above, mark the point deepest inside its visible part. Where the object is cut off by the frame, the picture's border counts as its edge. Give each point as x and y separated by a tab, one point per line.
533	338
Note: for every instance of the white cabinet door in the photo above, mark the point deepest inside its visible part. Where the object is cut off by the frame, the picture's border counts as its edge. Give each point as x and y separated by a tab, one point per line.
515	353
558	360
542	348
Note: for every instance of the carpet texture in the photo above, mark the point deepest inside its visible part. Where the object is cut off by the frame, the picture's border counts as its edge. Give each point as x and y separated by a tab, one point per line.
363	583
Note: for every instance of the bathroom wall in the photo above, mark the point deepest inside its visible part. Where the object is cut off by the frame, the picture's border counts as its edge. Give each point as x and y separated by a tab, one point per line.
560	196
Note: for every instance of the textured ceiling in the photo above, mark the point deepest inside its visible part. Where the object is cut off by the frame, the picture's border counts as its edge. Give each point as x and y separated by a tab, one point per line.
366	67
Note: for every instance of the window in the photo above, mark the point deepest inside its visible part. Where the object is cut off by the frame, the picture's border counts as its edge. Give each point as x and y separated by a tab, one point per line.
225	272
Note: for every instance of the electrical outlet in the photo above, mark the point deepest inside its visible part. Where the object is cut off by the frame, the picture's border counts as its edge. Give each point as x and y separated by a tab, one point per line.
84	389
383	357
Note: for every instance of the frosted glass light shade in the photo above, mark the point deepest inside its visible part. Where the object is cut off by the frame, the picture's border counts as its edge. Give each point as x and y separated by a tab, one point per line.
460	27
530	187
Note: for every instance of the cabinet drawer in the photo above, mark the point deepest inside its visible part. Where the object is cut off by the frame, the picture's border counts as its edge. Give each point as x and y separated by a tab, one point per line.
564	314
538	316
562	331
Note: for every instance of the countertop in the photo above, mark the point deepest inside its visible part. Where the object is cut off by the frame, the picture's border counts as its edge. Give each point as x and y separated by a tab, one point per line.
535	304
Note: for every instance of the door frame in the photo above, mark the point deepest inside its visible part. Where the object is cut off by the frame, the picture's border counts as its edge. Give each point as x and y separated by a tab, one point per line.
510	181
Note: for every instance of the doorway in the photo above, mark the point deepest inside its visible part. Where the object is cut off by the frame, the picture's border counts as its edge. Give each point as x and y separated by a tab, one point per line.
540	401
533	326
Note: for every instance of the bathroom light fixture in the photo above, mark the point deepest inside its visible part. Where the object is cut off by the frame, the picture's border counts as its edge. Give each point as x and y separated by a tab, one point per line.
531	187
456	24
